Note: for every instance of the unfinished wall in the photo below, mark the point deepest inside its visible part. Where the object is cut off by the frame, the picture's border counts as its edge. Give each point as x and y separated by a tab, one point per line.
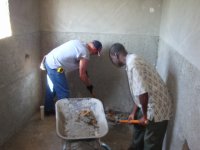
20	77
134	23
179	65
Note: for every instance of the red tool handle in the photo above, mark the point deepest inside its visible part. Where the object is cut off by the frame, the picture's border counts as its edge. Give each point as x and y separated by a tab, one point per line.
129	121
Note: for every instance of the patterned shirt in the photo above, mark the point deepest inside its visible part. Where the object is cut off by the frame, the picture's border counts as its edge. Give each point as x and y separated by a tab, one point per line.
143	78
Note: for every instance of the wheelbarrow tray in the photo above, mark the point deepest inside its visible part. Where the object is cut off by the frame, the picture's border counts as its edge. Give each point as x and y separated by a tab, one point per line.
71	105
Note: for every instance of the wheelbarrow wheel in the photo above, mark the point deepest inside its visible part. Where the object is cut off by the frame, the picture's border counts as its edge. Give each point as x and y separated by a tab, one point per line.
105	146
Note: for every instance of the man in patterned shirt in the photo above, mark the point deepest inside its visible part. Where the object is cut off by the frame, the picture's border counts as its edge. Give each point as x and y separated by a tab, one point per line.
151	97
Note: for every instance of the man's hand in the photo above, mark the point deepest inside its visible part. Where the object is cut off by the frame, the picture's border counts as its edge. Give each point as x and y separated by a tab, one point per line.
143	121
131	116
83	72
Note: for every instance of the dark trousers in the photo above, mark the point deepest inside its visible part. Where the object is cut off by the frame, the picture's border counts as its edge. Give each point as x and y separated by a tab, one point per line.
149	137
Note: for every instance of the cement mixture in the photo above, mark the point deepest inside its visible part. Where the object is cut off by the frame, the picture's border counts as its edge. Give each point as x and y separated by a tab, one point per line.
79	119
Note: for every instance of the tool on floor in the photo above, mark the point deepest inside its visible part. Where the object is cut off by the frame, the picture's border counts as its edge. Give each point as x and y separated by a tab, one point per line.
93	95
90	88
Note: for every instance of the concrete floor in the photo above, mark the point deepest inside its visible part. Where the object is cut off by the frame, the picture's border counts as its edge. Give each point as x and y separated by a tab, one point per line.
41	135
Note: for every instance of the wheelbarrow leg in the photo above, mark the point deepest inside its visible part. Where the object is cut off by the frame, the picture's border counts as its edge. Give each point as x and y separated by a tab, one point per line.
66	145
104	146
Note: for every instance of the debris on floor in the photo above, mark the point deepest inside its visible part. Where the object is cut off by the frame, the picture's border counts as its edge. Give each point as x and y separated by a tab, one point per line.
41	135
113	116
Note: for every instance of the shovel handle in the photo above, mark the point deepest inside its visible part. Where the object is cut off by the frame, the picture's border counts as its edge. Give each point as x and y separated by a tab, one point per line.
93	95
129	121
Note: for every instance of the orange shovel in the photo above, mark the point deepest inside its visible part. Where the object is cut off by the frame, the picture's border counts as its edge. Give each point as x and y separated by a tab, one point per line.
129	121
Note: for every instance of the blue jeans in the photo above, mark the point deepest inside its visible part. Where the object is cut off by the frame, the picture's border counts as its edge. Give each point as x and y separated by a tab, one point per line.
56	85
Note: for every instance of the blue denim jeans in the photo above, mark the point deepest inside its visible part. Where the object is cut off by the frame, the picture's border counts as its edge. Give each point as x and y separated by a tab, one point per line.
56	85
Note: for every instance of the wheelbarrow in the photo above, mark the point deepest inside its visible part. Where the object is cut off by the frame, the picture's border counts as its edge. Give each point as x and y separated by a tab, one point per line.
81	120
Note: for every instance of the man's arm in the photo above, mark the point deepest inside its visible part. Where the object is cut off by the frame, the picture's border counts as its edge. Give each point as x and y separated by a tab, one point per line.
144	102
82	72
132	115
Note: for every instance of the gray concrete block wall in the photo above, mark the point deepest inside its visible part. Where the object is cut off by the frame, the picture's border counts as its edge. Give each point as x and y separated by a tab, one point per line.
178	64
111	85
141	17
19	82
183	81
180	27
24	16
20	76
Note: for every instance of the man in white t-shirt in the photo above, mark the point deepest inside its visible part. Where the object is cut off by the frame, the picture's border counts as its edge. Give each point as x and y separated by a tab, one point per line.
70	56
153	105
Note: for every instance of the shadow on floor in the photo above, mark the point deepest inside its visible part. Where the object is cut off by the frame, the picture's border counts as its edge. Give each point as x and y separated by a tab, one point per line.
41	135
118	137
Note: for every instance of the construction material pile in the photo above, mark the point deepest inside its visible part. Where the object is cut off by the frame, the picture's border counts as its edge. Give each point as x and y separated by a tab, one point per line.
88	117
79	119
114	116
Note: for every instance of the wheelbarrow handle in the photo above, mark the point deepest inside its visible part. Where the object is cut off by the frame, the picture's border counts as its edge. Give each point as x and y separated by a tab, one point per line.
129	121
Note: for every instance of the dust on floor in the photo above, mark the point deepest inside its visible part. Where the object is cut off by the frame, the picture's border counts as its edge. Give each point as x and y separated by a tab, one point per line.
41	135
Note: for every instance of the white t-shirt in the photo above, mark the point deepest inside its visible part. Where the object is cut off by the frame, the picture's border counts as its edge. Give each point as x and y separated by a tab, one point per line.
68	55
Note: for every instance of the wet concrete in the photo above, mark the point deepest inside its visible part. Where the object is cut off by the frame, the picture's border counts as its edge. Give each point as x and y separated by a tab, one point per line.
41	135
